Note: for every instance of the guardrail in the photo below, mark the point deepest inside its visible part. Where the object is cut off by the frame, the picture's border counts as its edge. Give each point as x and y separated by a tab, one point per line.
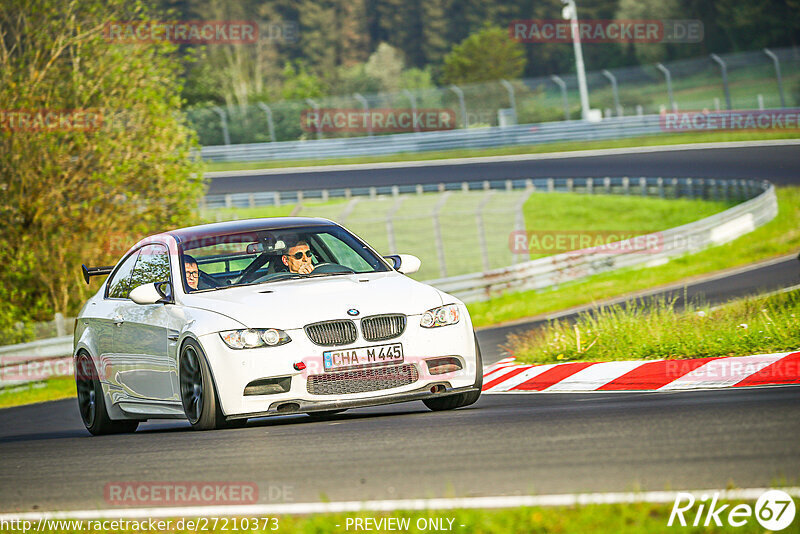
570	266
525	134
47	357
34	361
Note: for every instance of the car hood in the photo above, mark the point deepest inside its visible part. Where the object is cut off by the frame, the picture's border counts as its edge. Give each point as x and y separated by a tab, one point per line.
295	303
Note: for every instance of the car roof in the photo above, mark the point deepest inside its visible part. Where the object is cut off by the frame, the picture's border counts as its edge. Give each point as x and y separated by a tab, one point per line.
247	225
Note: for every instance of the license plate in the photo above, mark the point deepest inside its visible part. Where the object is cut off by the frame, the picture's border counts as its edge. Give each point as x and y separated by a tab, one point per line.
355	358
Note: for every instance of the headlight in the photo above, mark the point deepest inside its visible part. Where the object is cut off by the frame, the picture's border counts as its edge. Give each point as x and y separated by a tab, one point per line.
442	316
254	337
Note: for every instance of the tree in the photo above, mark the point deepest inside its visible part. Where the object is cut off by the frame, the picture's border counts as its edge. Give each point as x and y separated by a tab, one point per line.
487	55
650	9
386	64
73	190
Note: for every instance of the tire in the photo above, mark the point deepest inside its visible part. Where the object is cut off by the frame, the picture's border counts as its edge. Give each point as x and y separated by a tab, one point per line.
91	401
460	400
198	391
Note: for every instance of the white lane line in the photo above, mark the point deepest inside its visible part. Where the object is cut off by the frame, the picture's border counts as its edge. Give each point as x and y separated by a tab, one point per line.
596	375
724	372
524	376
493	159
505	501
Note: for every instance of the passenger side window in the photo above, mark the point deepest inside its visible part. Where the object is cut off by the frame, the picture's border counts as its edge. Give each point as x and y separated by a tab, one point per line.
120	285
152	266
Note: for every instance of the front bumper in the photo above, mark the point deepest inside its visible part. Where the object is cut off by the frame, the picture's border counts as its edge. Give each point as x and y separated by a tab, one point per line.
234	369
295	406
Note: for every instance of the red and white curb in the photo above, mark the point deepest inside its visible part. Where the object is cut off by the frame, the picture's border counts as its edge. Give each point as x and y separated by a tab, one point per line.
644	375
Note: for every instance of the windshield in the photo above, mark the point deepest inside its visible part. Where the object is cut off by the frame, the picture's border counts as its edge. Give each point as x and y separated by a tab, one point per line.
218	262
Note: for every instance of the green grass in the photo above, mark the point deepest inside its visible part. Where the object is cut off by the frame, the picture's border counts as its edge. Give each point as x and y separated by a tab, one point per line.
566	146
652	329
638	518
778	237
47	390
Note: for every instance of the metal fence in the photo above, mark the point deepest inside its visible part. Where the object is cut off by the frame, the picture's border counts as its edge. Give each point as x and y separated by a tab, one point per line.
576	265
527	134
745	80
460	227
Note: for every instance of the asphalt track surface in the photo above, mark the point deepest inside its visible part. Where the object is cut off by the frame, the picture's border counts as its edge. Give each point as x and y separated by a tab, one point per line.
780	164
503	445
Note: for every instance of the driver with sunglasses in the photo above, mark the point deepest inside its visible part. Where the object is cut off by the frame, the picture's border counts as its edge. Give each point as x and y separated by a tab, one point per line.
298	258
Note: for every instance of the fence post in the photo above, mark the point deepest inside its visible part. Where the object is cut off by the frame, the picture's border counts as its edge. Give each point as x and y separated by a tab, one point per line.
777	74
224	121
437	232
365	105
660	183
626	185
311	102
643	185
551	185
413	101
482	229
607	185
724	68
563	86
457	90
590	186
325	195
668	78
519	222
511	99
270	124
614	89
390	224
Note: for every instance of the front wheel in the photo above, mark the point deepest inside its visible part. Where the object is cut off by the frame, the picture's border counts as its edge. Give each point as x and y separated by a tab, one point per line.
198	394
91	401
460	400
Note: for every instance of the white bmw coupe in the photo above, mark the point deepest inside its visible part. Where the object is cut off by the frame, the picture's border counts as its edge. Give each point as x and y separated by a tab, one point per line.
224	322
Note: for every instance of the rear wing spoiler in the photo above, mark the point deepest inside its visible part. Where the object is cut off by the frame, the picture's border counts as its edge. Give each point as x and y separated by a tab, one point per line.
95	271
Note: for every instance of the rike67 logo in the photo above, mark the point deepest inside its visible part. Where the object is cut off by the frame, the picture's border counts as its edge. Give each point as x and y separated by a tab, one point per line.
774	510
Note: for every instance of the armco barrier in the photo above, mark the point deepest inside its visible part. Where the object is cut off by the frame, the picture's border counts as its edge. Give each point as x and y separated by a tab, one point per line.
760	207
20	363
380	145
570	266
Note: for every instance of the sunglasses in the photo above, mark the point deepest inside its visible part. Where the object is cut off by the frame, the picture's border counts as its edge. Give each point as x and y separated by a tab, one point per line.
299	255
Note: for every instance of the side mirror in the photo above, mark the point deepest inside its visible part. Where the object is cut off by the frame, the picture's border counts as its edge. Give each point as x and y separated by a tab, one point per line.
404	263
149	294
